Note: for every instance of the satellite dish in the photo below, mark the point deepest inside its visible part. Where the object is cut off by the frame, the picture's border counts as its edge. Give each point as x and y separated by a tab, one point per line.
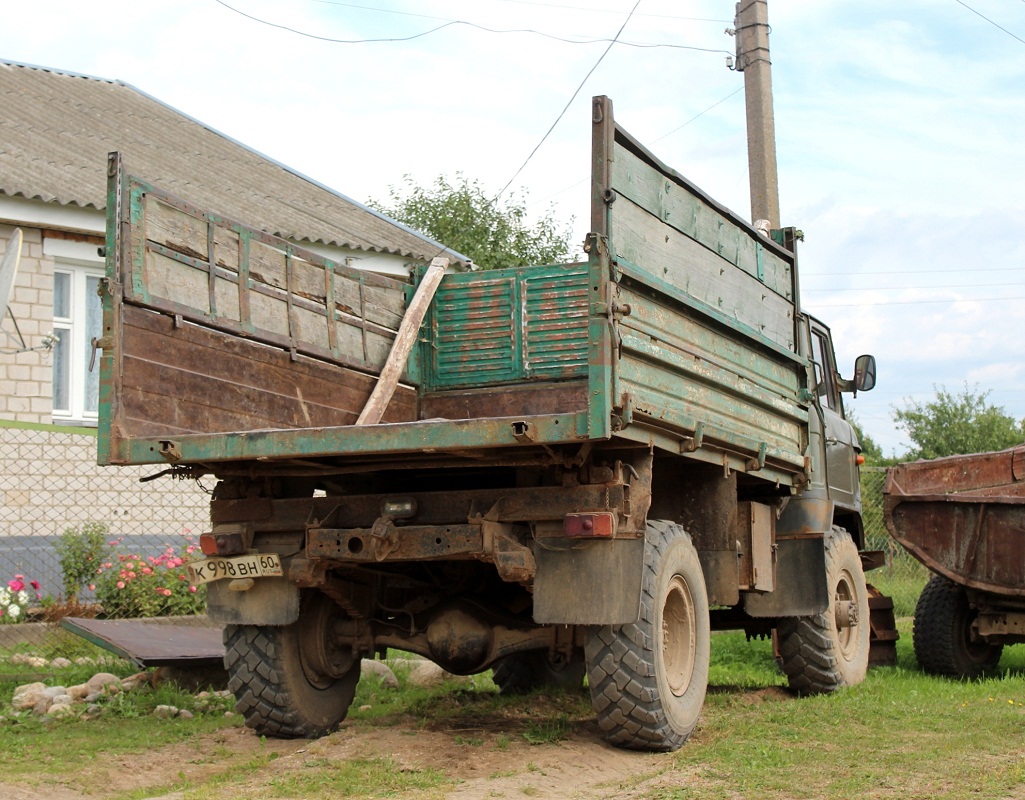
9	269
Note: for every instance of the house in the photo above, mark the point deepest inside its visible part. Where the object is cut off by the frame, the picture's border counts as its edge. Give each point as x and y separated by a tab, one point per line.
56	131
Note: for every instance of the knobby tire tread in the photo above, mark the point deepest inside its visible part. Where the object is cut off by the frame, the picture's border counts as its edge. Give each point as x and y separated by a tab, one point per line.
807	647
939	629
621	666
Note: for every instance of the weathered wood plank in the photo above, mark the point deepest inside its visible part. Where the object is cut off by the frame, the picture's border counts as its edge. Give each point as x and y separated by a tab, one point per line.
224	383
680	261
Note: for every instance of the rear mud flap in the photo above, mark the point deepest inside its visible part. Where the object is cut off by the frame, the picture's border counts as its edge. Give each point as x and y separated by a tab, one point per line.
588	583
270	601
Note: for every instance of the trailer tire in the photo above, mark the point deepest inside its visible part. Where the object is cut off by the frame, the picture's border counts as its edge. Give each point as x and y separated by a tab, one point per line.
522	673
821	653
942	633
648	679
278	677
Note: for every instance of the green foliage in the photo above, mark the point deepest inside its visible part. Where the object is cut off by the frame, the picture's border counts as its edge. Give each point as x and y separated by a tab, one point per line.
493	234
80	553
954	424
129	586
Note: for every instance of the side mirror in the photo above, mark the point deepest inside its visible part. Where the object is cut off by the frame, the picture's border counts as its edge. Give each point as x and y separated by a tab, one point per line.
864	373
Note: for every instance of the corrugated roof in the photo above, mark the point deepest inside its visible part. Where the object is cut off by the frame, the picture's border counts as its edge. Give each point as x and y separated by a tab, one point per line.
57	128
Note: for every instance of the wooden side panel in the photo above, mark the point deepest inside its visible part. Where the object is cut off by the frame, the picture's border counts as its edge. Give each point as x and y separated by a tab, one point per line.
685	376
219	273
665	229
508	326
188	379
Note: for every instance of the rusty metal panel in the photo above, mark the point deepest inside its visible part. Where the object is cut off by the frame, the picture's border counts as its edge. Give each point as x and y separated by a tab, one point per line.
412	543
152	644
963	517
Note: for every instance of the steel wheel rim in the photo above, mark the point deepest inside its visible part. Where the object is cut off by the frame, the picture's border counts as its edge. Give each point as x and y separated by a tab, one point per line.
845	600
678	635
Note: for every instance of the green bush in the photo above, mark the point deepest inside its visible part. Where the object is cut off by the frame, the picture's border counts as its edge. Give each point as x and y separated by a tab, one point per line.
80	553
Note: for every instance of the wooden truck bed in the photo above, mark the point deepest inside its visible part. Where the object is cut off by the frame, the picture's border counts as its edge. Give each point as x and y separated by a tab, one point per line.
224	345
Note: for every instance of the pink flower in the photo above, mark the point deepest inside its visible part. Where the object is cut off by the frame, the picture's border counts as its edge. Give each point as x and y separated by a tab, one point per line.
17	584
92	587
167	592
147	571
120	584
34	585
192	589
131	574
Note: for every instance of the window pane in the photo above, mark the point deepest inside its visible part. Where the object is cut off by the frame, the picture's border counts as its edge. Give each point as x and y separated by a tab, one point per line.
61	385
61	295
93	330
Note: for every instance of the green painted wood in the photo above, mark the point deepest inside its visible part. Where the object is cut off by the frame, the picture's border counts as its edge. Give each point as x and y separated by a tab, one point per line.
506	326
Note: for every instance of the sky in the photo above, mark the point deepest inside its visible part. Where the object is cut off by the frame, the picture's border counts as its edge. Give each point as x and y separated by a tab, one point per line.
899	133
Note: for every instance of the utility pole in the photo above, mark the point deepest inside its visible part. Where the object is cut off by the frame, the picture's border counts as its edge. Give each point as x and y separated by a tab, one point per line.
752	35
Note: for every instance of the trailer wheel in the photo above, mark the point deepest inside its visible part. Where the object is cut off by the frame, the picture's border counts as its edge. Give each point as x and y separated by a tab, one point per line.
290	682
521	673
942	633
648	679
824	652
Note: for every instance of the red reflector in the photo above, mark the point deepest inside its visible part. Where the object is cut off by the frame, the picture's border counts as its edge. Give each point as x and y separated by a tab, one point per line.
599	523
861	459
221	544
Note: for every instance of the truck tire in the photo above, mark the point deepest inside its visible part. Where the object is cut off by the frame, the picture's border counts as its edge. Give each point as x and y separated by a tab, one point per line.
942	633
521	673
287	681
648	679
823	652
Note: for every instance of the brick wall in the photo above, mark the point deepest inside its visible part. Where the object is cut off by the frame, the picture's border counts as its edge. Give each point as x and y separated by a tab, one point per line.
49	481
25	378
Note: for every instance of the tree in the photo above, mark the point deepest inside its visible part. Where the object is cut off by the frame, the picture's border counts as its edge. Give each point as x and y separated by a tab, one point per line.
954	424
493	234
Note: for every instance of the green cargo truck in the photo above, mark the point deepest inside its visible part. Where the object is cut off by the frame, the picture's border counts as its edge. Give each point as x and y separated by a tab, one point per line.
562	470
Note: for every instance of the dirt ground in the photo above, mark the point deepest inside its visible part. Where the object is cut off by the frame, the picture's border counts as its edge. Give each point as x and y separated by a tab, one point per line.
484	758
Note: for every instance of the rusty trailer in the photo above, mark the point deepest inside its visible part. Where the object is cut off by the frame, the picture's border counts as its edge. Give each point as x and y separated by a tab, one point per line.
963	517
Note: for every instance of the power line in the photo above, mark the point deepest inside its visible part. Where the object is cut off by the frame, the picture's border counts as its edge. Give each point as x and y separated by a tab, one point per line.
659	139
452	22
991	22
527	3
570	101
607	11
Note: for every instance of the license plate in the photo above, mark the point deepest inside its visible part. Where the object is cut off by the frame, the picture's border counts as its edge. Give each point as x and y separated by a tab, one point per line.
258	565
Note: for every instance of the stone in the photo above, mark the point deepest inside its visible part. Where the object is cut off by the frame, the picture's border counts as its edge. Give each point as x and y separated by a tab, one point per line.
62	709
380	670
101	680
184	714
60	663
27	696
165	712
79	692
427	673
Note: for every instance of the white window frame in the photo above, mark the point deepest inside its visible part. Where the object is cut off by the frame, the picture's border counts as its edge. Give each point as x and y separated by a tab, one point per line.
79	271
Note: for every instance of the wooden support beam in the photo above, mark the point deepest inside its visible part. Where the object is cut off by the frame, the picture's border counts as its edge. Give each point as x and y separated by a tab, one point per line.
403	344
